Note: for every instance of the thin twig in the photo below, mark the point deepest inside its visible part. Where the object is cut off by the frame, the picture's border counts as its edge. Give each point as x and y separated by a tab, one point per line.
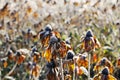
62	69
89	57
0	73
9	78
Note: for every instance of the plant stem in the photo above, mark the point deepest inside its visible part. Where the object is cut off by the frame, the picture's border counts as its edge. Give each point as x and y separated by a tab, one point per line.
0	73
89	59
74	72
62	69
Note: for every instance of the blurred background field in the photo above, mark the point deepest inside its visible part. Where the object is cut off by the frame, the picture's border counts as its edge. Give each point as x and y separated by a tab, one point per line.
69	17
72	18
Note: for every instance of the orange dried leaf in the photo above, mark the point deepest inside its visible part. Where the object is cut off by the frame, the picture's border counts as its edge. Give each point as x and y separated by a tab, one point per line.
21	59
97	43
89	44
63	49
48	18
118	63
5	64
29	10
97	77
35	15
110	77
71	67
76	4
35	71
57	34
82	45
81	62
35	58
95	58
4	11
96	68
45	41
79	72
48	55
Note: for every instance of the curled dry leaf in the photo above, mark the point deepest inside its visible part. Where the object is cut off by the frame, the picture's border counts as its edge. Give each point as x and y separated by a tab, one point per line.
47	54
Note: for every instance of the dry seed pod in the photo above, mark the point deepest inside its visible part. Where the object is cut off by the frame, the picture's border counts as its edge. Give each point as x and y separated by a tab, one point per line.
90	42
53	39
48	28
68	77
114	7
118	62
82	61
104	75
36	57
103	62
70	54
117	69
45	35
5	64
11	55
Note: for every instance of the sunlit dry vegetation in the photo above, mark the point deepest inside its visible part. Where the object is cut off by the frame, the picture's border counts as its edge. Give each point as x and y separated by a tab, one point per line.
59	39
